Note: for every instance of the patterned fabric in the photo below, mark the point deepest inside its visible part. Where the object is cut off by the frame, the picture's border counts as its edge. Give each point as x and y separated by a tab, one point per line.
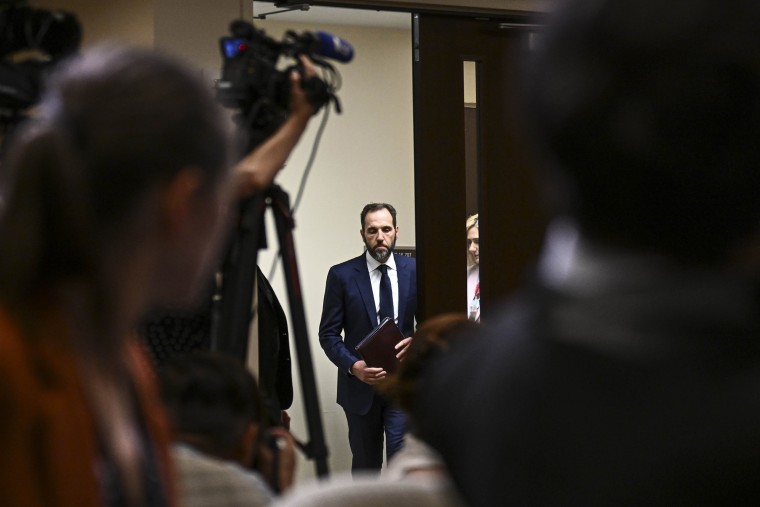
208	482
173	333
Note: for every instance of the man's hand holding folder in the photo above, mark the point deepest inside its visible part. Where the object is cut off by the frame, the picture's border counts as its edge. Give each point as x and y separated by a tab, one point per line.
381	351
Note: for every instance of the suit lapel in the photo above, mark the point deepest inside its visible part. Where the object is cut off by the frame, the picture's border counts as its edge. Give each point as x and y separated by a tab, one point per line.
365	289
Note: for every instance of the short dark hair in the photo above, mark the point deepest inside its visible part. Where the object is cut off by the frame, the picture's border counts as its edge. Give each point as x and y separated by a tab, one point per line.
377	206
653	118
211	397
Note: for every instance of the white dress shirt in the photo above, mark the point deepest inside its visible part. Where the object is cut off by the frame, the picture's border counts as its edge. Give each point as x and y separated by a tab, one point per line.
374	278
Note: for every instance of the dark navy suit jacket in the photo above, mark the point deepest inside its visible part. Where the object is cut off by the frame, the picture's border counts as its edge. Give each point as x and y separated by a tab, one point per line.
349	307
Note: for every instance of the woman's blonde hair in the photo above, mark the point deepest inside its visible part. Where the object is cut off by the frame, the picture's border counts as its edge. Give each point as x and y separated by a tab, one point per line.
472	221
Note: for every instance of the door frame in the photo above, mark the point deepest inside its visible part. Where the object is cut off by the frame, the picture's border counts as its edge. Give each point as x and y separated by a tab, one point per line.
512	220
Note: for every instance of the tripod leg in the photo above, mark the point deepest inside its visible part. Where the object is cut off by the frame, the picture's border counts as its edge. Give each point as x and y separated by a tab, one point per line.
316	447
232	312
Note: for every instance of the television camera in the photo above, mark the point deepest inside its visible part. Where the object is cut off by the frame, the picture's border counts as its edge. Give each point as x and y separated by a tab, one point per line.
253	83
31	42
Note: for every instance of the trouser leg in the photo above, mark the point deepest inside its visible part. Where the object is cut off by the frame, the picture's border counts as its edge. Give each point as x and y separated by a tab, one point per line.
394	422
365	436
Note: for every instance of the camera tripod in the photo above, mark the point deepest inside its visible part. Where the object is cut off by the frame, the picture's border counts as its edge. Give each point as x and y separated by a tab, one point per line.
232	310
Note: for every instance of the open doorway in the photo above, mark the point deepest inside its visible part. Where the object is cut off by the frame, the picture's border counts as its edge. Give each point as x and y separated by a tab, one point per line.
365	155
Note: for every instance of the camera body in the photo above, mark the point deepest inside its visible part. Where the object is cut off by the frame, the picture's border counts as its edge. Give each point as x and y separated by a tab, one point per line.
254	85
31	42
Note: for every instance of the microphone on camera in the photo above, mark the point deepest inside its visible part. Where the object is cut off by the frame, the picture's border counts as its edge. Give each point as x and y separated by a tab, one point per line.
331	46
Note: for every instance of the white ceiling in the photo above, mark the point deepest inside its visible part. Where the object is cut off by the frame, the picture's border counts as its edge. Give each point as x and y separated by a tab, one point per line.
336	16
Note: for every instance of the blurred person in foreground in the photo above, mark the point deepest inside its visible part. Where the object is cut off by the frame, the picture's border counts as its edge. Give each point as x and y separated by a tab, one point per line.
171	330
219	429
114	201
416	460
629	372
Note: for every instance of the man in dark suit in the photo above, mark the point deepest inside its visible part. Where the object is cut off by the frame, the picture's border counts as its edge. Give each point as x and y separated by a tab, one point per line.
628	372
352	306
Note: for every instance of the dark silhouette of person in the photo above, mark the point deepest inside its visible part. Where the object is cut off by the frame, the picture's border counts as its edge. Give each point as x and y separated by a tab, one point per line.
628	371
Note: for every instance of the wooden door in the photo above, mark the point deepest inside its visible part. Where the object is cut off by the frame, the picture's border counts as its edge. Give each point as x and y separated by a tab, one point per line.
512	221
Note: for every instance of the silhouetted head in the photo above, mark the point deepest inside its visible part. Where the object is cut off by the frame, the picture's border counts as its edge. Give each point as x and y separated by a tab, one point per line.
433	337
649	113
212	401
120	139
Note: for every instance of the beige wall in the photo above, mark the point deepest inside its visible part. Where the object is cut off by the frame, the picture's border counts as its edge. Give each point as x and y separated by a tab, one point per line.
102	20
365	155
191	28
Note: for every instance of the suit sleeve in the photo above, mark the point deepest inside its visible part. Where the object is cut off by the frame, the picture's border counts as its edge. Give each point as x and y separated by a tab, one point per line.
332	323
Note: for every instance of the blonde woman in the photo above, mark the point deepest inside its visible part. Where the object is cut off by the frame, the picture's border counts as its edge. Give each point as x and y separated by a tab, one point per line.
473	268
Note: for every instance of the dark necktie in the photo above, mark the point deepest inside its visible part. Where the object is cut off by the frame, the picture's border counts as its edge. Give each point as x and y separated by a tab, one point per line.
386	294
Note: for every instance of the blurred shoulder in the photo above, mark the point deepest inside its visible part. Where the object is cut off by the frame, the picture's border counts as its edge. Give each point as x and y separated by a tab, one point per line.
205	481
343	490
